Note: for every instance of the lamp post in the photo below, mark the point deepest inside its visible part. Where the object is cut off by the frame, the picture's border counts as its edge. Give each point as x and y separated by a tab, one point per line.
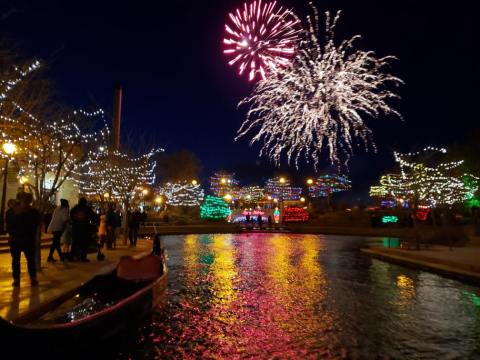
9	149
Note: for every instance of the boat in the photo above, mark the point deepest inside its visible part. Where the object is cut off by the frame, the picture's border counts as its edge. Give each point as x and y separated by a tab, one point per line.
95	312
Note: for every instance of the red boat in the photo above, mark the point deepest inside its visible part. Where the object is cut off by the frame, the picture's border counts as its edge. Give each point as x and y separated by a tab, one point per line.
92	313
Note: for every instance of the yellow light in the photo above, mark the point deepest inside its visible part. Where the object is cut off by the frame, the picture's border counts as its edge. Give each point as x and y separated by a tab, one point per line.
228	197
23	180
223	181
282	180
249	197
275	200
144	191
269	197
106	195
158	200
309	181
302	199
9	148
194	182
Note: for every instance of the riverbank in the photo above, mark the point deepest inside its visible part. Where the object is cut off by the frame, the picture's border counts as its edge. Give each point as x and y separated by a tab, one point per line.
462	263
55	279
226	228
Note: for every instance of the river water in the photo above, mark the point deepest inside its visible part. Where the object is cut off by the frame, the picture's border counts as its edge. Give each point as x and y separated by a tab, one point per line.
288	296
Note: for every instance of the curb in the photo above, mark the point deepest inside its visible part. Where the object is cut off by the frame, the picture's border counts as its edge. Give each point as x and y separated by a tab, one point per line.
430	266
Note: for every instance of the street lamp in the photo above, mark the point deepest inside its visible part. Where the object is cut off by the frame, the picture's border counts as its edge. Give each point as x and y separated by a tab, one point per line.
309	181
9	149
194	182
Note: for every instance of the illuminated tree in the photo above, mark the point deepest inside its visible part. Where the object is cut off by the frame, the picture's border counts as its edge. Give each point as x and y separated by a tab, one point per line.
224	183
182	193
282	190
214	208
424	180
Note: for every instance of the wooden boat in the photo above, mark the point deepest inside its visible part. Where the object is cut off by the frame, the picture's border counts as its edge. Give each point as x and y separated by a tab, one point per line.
94	312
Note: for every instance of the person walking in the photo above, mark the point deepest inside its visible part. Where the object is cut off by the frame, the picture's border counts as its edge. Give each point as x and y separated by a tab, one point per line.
111	221
134	221
60	218
23	223
102	229
82	217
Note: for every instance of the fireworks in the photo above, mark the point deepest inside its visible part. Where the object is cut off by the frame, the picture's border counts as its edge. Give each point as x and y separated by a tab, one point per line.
318	101
260	37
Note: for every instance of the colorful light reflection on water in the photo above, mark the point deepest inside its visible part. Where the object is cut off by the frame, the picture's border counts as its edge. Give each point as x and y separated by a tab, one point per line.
304	296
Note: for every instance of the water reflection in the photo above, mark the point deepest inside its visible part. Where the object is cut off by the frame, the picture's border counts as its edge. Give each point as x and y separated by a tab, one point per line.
304	296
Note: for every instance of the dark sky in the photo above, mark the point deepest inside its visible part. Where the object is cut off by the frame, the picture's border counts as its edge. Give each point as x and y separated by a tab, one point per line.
179	90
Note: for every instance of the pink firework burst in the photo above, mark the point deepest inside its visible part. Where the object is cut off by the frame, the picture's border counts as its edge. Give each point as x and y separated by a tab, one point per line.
259	37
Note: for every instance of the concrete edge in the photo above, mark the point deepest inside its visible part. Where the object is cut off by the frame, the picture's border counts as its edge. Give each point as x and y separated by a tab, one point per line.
445	270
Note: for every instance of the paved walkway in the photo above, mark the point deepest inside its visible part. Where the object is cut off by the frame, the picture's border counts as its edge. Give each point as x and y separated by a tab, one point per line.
55	278
463	262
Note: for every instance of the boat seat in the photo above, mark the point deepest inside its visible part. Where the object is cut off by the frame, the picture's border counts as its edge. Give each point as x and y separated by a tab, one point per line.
145	268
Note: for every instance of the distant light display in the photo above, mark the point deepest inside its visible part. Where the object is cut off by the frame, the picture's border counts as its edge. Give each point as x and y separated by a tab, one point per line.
259	37
326	185
294	214
276	215
214	208
282	191
224	183
251	193
390	219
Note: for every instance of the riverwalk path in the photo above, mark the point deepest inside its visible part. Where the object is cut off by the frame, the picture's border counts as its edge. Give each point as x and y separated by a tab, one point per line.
459	262
54	279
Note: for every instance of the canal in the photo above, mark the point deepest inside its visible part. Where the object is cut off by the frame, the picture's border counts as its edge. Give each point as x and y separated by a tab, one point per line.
304	296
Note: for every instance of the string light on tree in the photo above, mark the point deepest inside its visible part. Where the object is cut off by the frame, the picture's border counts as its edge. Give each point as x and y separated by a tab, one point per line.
223	183
326	185
182	193
295	214
424	180
280	189
251	193
214	208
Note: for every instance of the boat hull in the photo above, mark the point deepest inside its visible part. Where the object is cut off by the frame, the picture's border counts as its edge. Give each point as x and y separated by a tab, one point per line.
81	335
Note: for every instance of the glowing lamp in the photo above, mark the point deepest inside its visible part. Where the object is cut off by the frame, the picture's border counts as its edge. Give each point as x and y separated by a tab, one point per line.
9	148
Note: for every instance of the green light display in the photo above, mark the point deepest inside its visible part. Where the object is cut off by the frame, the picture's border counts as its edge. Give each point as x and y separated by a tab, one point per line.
214	208
389	219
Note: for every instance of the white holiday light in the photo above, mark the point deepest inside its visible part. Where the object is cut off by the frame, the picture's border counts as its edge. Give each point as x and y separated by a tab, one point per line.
182	193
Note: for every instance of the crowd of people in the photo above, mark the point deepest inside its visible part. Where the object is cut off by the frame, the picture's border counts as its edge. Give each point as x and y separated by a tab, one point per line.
76	232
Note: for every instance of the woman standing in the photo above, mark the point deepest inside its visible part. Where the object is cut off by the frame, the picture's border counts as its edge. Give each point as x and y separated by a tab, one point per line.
57	226
102	229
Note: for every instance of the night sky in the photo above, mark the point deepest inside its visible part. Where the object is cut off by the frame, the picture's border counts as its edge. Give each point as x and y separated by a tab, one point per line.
180	92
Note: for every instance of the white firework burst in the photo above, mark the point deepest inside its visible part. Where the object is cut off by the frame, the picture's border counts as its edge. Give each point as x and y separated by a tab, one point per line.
318	102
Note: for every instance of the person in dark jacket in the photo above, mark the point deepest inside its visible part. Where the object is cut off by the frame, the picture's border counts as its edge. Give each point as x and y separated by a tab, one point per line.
111	220
82	217
134	221
23	223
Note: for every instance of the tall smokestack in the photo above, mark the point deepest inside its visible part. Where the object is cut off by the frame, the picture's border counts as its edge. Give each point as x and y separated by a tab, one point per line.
116	118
